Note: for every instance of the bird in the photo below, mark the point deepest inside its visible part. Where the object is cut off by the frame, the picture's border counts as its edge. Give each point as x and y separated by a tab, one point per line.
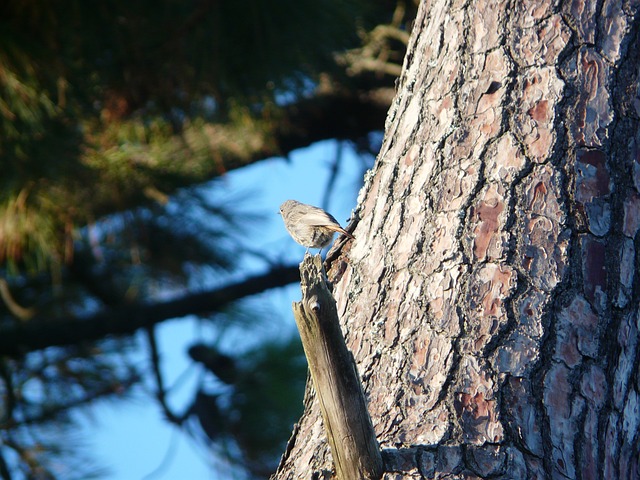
310	226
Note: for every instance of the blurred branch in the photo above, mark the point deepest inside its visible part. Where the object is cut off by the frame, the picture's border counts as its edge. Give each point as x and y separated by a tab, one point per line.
19	311
378	53
50	413
4	469
9	399
333	175
161	394
332	114
39	332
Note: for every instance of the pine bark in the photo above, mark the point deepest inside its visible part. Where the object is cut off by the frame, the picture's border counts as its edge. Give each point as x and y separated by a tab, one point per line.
490	298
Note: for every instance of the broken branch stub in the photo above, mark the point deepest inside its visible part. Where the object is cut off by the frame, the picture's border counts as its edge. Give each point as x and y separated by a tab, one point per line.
354	448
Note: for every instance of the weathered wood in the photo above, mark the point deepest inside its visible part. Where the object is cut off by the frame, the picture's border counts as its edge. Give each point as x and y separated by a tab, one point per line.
344	411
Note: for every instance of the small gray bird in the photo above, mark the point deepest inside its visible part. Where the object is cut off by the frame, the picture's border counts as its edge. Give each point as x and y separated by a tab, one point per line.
310	226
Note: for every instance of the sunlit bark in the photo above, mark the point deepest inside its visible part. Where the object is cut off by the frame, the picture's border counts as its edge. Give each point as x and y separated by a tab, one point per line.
490	298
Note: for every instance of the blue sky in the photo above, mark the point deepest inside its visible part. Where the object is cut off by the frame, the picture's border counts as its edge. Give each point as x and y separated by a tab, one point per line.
130	438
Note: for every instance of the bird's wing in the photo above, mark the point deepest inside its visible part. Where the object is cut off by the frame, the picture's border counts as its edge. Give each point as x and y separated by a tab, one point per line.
318	217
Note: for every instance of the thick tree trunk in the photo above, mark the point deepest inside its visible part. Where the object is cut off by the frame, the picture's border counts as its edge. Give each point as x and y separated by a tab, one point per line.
490	298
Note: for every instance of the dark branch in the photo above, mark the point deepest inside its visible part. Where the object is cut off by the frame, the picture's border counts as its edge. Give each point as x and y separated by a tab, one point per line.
333	176
161	393
38	333
51	413
331	115
4	468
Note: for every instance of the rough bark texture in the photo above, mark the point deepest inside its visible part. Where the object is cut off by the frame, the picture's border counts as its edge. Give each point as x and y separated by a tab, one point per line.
491	298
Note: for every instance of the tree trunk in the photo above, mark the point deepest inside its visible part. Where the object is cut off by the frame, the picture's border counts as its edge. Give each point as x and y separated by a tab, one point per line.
490	298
